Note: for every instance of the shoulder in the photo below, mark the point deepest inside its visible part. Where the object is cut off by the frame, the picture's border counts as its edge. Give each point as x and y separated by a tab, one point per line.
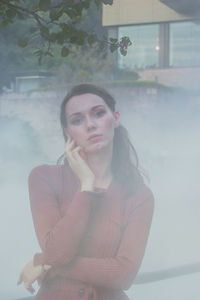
44	169
144	193
49	173
142	197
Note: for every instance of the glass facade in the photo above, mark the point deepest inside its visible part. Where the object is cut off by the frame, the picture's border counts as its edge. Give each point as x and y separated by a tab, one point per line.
144	53
181	48
184	44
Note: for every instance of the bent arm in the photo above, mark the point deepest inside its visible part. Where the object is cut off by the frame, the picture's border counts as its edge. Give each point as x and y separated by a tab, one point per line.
116	272
58	236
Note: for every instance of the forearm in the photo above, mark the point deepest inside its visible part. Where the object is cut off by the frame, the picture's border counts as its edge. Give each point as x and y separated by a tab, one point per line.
58	236
115	273
61	243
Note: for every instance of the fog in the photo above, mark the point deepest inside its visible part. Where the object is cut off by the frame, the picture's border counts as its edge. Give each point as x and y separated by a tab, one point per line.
164	128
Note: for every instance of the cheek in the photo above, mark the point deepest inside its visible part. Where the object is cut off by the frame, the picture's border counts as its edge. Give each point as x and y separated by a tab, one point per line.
75	133
108	124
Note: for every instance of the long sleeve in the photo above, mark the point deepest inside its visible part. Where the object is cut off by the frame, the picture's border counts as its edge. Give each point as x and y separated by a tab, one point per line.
58	236
117	272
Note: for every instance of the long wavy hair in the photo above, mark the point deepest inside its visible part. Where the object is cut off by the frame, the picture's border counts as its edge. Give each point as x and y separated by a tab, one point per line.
124	163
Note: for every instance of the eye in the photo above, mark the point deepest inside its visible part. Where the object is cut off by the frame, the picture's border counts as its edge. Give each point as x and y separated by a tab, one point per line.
100	113
75	121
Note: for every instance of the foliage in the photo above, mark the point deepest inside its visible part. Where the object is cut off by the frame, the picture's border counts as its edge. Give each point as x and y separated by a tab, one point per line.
83	65
57	22
86	64
19	61
13	58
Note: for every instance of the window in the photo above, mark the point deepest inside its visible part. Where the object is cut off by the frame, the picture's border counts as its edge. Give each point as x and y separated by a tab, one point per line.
184	44
144	53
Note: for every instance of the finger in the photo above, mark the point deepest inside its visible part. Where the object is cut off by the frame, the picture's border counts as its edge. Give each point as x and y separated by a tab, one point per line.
29	287
76	150
69	147
69	156
76	154
70	141
79	159
31	290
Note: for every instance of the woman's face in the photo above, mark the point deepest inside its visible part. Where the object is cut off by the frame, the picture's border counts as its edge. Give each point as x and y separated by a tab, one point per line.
90	122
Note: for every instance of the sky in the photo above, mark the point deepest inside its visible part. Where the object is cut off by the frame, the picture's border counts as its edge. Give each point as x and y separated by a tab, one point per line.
165	132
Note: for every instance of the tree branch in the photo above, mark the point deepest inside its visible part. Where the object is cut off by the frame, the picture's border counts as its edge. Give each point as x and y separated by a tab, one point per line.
25	10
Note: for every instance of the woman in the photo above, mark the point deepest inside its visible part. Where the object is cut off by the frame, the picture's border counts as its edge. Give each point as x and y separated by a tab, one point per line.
92	214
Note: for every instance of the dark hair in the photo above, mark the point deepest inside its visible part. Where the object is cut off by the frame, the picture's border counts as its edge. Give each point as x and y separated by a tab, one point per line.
124	159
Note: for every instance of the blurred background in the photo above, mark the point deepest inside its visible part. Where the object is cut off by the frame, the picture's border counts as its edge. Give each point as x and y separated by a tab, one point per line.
156	86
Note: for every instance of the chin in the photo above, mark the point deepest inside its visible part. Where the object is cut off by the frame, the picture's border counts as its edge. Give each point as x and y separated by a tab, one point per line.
96	148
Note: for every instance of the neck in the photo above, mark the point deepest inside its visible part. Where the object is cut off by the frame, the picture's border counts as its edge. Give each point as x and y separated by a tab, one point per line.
100	164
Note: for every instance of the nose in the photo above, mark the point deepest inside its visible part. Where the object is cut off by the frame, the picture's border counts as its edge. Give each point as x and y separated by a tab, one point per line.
90	123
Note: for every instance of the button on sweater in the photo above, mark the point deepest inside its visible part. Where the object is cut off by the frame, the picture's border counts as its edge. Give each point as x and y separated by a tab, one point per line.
94	241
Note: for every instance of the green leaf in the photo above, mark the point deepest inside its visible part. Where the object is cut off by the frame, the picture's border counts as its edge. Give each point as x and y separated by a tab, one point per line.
78	37
105	37
5	22
23	42
92	39
86	4
101	45
70	13
44	5
11	13
20	15
64	51
113	47
38	52
53	37
126	41
55	13
113	40
60	38
44	31
80	41
78	10
123	51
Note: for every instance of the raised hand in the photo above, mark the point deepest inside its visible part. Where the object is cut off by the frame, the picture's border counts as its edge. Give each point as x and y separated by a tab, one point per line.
77	161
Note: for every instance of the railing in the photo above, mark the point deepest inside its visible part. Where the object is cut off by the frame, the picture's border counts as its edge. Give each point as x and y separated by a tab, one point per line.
167	273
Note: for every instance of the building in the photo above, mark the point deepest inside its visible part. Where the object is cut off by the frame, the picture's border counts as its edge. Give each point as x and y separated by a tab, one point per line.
165	36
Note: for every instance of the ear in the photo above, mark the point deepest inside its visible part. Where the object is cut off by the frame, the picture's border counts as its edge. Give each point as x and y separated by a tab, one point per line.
116	116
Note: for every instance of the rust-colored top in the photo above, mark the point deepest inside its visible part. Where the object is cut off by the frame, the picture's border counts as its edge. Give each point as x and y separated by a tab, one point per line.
95	241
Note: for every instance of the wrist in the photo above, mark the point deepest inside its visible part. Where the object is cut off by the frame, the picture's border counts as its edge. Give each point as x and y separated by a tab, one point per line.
87	186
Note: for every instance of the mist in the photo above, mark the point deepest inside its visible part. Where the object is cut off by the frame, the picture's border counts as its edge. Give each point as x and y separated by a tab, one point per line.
164	128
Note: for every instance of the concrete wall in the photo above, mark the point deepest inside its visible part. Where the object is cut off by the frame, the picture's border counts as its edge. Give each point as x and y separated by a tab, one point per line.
188	78
124	12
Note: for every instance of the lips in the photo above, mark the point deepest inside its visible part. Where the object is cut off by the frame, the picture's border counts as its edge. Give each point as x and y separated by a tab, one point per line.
94	137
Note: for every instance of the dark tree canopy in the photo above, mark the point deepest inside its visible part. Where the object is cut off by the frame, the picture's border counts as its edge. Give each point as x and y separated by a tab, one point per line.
57	22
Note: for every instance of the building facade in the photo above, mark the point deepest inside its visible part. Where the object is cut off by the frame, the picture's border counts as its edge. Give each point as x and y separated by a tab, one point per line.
165	36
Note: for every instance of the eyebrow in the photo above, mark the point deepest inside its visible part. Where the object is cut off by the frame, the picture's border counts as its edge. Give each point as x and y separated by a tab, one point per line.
79	113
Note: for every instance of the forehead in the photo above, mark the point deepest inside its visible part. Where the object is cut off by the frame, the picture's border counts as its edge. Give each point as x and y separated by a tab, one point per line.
83	103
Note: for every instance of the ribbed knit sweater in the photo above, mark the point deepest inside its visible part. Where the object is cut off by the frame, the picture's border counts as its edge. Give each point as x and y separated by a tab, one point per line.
94	241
